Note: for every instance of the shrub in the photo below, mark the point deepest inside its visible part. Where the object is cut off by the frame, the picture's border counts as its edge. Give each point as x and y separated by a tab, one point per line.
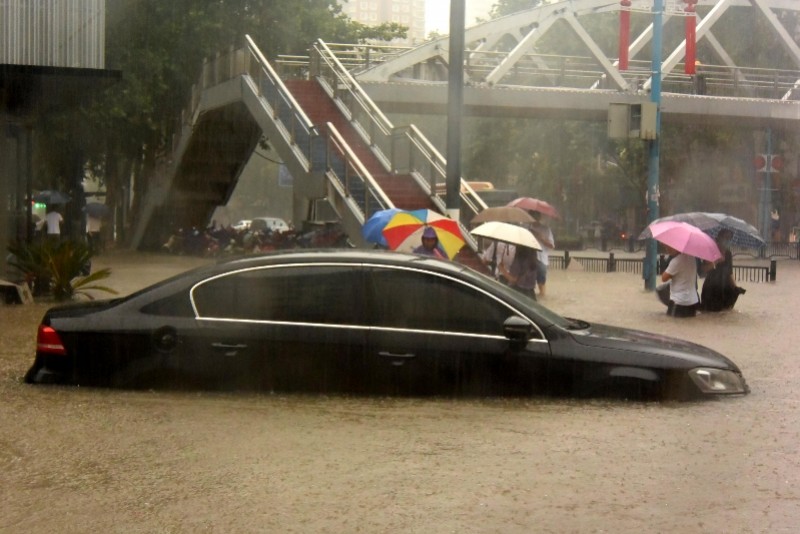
58	267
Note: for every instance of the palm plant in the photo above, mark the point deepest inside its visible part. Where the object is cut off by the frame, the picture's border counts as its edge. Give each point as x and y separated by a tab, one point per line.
59	267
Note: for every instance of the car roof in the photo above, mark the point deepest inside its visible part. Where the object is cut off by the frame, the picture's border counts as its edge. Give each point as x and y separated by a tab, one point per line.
303	256
338	255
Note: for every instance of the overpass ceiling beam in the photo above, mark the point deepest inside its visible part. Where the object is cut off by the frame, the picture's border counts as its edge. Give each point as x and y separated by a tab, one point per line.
704	26
788	43
635	47
518	51
598	54
493	30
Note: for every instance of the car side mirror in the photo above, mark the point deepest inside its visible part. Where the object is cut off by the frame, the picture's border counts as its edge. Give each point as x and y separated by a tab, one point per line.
517	330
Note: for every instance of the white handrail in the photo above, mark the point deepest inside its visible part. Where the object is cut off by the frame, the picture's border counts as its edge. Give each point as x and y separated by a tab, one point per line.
366	101
254	50
372	185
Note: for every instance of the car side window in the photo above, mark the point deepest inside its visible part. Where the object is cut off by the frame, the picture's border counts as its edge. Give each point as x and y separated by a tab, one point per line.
308	293
417	300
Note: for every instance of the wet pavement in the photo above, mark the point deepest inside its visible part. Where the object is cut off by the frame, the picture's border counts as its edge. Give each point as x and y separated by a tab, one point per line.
79	460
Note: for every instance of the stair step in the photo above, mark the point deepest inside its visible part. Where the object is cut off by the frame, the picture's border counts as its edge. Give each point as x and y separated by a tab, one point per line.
403	190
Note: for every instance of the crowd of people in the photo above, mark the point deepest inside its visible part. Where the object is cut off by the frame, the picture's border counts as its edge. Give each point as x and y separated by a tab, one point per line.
525	270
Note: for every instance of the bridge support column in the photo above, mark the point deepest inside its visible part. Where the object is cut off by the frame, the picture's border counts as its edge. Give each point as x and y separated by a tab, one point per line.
649	272
455	105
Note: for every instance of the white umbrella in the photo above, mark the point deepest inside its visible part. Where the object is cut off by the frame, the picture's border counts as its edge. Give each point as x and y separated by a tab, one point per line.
507	233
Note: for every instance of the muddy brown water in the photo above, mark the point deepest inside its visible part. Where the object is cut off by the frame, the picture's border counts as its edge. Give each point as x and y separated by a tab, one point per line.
93	460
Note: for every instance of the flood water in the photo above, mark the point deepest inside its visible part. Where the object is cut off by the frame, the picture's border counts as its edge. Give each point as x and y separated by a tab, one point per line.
80	460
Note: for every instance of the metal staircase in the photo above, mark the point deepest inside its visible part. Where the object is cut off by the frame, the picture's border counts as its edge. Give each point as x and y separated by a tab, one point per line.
332	138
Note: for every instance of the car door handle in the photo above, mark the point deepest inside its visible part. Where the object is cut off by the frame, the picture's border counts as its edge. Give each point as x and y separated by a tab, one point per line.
406	356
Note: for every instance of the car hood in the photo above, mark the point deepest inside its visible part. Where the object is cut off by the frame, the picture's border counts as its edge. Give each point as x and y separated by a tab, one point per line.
669	351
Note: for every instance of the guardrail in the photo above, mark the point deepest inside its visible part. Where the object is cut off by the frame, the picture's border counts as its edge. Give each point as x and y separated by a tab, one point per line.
536	70
400	149
612	264
355	179
296	127
774	250
339	160
425	161
356	105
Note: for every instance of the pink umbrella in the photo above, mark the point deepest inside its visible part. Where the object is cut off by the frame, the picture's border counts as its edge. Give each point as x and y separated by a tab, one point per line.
686	238
534	204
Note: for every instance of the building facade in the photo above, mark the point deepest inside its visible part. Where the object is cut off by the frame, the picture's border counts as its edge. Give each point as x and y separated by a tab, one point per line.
409	13
53	33
52	55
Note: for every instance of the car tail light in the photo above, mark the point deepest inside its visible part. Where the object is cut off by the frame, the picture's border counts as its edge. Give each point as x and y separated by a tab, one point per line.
48	340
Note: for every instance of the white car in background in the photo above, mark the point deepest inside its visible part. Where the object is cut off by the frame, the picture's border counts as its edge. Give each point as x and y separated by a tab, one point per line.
242	225
269	224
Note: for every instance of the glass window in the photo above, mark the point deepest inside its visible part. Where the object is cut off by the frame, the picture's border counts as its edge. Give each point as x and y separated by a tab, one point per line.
415	300
313	294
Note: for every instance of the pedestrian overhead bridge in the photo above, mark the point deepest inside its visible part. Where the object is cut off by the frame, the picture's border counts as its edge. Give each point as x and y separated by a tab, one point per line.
325	114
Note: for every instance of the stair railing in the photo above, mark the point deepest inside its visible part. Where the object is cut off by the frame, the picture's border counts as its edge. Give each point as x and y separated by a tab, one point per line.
400	149
297	128
354	103
426	162
357	184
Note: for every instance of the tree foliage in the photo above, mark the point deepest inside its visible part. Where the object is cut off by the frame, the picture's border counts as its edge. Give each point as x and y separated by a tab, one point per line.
159	47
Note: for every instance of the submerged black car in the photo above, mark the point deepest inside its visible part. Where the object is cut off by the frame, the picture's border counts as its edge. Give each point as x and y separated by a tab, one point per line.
363	322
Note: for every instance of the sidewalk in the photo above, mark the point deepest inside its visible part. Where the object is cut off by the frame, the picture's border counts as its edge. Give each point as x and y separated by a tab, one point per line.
132	270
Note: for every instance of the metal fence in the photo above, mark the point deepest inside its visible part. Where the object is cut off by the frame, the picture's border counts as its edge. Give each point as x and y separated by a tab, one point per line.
611	264
773	250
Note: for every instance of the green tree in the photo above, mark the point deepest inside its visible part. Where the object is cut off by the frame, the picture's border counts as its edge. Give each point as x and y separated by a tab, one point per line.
159	47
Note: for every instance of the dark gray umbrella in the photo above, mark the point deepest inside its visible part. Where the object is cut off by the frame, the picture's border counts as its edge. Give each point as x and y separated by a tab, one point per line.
744	234
51	196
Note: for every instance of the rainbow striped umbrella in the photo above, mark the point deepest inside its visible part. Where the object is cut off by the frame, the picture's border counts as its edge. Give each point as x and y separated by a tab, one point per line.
403	231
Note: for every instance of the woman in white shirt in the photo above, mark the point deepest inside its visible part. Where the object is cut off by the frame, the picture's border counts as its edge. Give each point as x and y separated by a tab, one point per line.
681	273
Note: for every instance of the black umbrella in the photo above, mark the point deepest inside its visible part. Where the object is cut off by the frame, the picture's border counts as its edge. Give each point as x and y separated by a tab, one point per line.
96	210
744	234
51	196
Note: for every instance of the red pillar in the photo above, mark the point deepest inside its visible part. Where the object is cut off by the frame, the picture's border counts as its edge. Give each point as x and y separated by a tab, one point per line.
691	37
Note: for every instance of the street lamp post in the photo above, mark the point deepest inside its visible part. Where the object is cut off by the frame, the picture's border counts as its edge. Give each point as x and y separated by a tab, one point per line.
455	103
653	192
